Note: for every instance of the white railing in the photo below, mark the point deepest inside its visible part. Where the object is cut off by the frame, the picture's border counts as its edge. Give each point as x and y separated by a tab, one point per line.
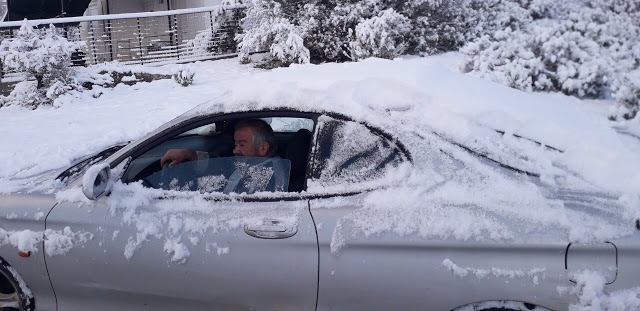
148	38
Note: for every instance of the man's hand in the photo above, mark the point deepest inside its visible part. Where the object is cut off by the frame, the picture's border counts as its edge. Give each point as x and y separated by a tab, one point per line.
175	156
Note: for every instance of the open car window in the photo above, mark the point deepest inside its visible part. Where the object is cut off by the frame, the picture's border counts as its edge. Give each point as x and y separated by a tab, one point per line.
227	174
217	169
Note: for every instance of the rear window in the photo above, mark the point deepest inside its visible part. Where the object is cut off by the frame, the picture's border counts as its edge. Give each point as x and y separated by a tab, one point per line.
349	153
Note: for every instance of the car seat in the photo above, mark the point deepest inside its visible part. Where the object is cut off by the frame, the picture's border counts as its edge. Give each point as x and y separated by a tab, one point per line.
298	153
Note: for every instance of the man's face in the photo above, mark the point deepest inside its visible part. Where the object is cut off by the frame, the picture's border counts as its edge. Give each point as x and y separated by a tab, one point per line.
244	145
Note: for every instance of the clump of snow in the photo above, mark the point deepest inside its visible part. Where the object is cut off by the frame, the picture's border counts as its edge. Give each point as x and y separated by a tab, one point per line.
60	242
213	247
24	240
534	274
56	242
194	240
591	294
178	251
73	194
38	215
184	75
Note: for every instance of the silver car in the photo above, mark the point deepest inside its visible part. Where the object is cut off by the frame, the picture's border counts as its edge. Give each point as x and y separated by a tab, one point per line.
364	214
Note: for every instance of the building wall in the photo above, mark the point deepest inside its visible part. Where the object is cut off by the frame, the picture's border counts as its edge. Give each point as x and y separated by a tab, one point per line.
188	4
125	6
155	32
99	7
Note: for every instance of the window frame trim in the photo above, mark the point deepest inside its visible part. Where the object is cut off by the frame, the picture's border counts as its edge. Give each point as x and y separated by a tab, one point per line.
197	121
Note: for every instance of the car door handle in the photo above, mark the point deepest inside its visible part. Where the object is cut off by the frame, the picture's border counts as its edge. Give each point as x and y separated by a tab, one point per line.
270	229
265	228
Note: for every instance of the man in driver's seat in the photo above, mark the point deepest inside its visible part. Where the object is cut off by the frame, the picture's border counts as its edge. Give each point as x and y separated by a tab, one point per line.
252	138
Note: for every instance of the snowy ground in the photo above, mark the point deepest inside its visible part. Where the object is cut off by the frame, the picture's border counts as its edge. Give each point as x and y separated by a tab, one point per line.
51	138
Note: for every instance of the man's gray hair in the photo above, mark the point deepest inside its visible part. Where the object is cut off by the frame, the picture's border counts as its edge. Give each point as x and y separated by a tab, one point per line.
262	132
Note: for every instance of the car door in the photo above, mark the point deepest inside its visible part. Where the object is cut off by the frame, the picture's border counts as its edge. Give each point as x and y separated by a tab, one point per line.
157	249
374	254
21	234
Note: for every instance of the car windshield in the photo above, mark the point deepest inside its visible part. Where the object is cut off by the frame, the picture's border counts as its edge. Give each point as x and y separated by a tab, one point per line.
224	174
79	167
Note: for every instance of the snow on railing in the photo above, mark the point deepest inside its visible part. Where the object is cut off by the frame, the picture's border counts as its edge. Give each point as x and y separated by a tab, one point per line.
148	38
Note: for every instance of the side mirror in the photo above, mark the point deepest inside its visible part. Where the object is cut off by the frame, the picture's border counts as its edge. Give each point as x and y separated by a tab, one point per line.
96	181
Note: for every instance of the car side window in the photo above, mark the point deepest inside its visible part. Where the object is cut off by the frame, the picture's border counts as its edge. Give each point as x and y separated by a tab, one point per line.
218	169
225	174
349	152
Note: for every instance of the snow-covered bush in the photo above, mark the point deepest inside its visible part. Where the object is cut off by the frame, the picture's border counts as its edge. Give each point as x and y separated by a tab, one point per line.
436	25
341	30
381	36
485	17
219	36
626	91
578	47
26	94
266	29
184	75
42	55
201	43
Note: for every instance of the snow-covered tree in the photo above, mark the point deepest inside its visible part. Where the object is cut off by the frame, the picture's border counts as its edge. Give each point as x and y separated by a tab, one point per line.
42	55
580	47
436	25
381	36
626	91
341	30
267	29
325	40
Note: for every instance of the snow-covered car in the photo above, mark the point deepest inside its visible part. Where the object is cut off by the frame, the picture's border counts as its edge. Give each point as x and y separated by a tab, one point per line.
374	210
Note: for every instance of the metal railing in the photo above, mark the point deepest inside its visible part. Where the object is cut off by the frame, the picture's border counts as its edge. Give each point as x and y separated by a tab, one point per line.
148	38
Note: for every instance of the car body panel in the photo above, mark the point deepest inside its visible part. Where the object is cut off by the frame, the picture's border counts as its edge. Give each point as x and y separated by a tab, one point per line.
22	212
410	273
225	269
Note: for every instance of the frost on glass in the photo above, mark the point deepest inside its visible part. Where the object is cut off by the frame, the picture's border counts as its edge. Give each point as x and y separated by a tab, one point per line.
350	152
211	183
227	175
